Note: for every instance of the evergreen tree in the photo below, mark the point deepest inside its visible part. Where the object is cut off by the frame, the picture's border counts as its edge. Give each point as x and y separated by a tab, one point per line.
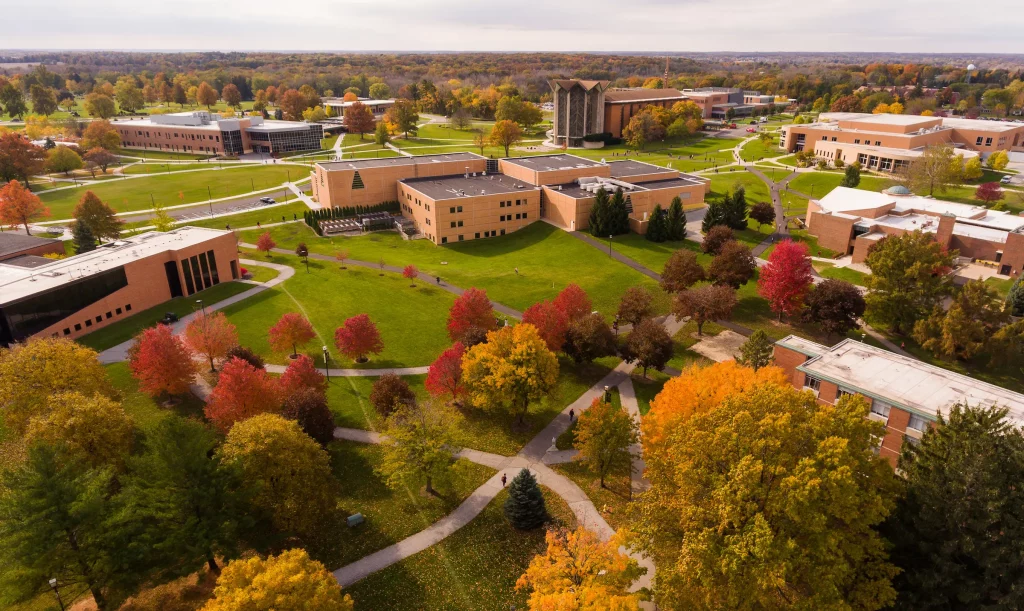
82	237
715	213
735	210
852	176
675	223
618	216
656	229
1015	298
524	506
757	351
599	214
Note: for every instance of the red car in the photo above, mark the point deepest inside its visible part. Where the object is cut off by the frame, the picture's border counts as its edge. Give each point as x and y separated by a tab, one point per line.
751	130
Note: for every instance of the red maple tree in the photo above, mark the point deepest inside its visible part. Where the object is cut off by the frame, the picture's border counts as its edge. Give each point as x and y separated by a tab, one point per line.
211	335
265	243
573	302
551	323
242	391
19	206
302	374
358	337
787	278
411	272
291	331
471	310
444	378
161	362
989	192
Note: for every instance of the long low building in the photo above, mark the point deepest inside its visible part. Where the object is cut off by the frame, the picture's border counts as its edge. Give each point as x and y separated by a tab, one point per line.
845	136
14	245
72	297
850	221
463	196
905	394
201	132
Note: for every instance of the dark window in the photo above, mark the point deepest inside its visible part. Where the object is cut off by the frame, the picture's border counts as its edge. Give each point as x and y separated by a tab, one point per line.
234	269
128	308
78	327
118	311
444	240
196	275
88	323
173	280
213	266
67	331
524	215
187	271
110	314
460	237
204	263
477	235
99	318
451	210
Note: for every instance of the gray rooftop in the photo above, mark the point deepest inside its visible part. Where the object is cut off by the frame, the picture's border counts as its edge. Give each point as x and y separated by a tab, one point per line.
11	242
545	163
359	164
683	180
459	186
631	167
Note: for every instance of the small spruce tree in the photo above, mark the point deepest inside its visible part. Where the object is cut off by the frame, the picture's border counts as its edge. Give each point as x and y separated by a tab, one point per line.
82	237
757	351
735	209
618	216
657	230
1015	298
599	214
715	214
852	176
675	222
524	507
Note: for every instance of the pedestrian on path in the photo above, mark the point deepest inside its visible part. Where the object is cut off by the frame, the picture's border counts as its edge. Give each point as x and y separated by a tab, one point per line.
439	281
572	414
257	225
504	479
517	271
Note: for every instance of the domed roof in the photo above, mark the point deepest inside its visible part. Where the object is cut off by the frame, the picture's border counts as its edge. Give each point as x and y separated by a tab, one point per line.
897	190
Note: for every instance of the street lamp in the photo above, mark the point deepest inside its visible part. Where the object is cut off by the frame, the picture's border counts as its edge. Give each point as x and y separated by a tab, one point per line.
609	247
202	306
327	363
53	586
209	198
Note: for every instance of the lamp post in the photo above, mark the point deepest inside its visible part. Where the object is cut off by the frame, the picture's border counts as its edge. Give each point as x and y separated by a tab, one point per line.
53	586
202	306
209	198
609	247
327	363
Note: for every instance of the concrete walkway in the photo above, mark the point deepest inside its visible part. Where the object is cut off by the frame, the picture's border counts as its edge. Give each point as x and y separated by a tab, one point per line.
586	237
781	230
119	352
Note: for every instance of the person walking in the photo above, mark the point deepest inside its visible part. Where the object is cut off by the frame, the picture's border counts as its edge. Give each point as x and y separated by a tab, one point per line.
517	271
504	479
572	414
439	281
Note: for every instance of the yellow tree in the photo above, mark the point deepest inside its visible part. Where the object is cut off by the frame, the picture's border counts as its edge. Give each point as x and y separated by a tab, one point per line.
768	500
30	373
603	436
95	429
579	572
206	95
506	134
291	580
512	368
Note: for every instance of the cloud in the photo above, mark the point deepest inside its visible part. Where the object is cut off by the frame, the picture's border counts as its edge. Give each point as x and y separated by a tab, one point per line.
529	25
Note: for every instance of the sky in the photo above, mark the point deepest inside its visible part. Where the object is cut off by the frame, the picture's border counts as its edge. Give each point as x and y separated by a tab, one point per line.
905	26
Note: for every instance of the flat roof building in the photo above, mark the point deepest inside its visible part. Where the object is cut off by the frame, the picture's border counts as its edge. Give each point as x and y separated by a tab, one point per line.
904	393
14	245
850	221
201	132
77	295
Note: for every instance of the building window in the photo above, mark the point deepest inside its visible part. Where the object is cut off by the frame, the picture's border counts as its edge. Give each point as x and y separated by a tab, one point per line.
453	224
917	423
834	138
856	140
458	209
524	215
110	314
118	311
460	223
518	216
128	308
67	331
812	383
477	235
452	211
88	323
880	408
988	141
78	326
842	392
978	141
878	143
444	240
460	237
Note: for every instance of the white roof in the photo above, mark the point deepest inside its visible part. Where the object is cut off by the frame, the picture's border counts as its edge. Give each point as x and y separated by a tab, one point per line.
982	233
903	381
908	222
888	119
844	199
981	125
18	282
345	104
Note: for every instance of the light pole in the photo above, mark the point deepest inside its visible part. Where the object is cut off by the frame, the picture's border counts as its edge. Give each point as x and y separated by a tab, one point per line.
327	364
609	247
202	306
209	198
53	586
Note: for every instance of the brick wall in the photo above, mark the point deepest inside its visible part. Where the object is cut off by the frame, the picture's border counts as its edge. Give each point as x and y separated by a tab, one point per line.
833	232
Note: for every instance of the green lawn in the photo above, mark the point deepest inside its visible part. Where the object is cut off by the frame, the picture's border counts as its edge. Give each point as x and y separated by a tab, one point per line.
612	500
547	258
349	400
473	569
647	390
802	236
755	189
1001	285
755	149
249	219
828	270
684	154
163	168
143	409
260	273
652	255
818	184
411	321
172	189
126	152
126	329
789	160
793	204
391	515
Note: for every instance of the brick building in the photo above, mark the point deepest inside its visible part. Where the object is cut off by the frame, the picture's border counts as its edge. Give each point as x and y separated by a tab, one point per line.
339	105
904	393
463	196
850	221
201	132
74	296
13	245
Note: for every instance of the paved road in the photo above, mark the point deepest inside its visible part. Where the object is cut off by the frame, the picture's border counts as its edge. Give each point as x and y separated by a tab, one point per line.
221	207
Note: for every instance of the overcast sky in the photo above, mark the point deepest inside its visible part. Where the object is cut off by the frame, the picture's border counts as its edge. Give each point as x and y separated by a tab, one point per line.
936	26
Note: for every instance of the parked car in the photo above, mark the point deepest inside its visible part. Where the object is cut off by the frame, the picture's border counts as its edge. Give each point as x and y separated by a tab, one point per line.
267	200
753	122
751	130
169	318
1005	180
732	126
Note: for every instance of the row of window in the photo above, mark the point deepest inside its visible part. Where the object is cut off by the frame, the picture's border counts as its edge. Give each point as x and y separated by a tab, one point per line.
200	272
988	141
487	234
857	141
508	217
167	135
508	204
878	407
98	319
169	147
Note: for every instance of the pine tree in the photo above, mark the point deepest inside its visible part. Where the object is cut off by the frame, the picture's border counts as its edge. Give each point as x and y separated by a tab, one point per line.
524	507
1015	298
736	209
657	230
715	214
82	237
599	214
757	351
618	216
852	176
676	221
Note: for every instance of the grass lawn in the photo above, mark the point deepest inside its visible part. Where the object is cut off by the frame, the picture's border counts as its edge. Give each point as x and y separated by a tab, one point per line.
144	410
647	389
163	168
802	236
249	219
789	160
411	320
793	203
684	154
474	568
1001	285
127	328
652	255
490	264
126	152
828	270
140	193
391	515
261	274
755	189
349	400
755	149
612	500
819	184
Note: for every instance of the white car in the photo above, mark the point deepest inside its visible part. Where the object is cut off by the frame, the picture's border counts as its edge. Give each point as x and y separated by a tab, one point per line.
1005	180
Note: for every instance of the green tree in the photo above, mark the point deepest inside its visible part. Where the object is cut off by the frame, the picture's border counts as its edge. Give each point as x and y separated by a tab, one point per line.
735	209
964	329
937	169
381	135
98	216
418	445
44	100
768	500
161	221
604	434
757	351
12	100
909	276
676	221
656	229
82	237
956	530
55	519
599	214
525	507
998	160
715	214
404	117
63	159
973	169
506	134
190	505
618	215
851	176
380	91
129	96
1015	297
